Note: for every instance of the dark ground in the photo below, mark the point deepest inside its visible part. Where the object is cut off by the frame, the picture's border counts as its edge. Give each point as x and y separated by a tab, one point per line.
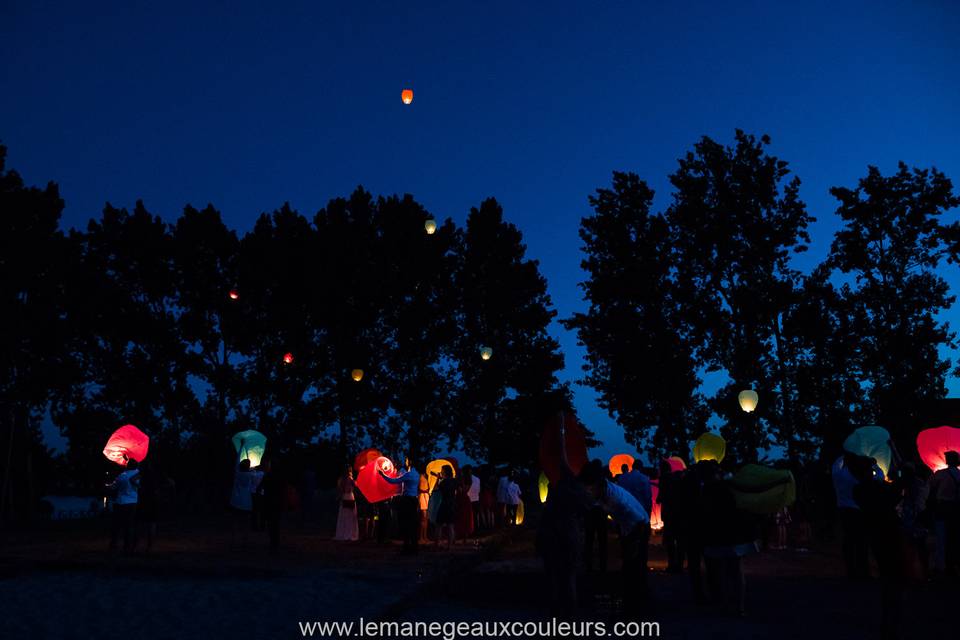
61	583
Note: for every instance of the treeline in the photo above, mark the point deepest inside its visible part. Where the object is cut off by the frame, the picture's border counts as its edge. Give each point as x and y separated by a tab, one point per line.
709	286
184	329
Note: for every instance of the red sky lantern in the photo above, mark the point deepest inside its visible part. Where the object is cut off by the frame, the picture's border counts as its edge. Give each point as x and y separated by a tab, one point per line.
933	444
617	461
288	358
550	446
364	457
676	464
127	443
407	96
372	486
234	294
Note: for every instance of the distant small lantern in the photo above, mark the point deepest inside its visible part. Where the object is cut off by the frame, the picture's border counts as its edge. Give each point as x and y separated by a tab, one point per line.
486	353
234	294
288	358
748	400
407	96
430	226
357	375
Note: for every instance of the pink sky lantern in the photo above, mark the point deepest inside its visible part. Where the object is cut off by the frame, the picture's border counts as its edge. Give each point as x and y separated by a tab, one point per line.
656	522
364	457
288	358
372	486
676	464
616	463
933	444
550	446
127	443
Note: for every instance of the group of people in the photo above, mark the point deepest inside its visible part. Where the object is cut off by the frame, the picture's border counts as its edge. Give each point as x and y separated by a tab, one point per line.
452	506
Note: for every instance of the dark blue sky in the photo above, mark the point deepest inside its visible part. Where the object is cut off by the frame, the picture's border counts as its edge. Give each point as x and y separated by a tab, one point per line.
534	103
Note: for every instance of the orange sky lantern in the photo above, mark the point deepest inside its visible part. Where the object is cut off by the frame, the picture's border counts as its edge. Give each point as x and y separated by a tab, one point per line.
357	375
407	96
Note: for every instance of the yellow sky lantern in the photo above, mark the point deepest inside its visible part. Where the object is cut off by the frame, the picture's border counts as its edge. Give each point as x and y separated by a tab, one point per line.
407	96
430	226
357	375
748	399
486	353
709	446
543	486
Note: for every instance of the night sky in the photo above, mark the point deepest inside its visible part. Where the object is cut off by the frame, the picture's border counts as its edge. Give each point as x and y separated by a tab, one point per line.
534	103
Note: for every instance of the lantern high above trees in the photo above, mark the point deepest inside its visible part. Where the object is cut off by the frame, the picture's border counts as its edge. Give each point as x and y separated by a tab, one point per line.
430	226
234	294
748	399
288	358
486	353
407	96
357	375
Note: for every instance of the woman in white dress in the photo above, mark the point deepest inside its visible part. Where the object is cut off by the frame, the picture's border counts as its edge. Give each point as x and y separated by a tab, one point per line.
347	528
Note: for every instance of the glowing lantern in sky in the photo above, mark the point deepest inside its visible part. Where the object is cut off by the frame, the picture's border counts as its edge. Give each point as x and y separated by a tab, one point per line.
126	443
430	226
709	446
676	464
872	442
575	441
656	522
372	486
288	358
407	96
234	294
748	400
763	490
617	461
364	457
357	375
933	444
250	445
486	353
543	487
435	468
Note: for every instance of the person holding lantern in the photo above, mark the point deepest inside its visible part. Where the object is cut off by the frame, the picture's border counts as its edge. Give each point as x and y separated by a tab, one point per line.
124	490
945	493
408	505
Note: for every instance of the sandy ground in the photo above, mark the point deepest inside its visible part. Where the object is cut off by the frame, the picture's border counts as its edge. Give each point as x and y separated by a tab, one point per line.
62	583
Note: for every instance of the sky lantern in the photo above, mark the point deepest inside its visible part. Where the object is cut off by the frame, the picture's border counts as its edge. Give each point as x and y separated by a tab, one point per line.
763	490
676	464
407	96
373	487
617	461
709	446
933	444
543	486
435	469
518	520
364	457
872	442
357	375
234	294
748	399
576	445
656	521
288	358
430	226
125	444
250	445
486	353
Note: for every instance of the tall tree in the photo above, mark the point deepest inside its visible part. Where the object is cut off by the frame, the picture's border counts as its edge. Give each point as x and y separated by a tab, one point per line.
893	241
736	218
640	346
504	307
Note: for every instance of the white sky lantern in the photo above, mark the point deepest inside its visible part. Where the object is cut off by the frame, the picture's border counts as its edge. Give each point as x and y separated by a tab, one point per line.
486	353
430	226
748	400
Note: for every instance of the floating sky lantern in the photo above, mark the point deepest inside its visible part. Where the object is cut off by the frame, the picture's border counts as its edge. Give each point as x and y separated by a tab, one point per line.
763	490
872	442
748	399
616	463
357	375
435	469
364	457
933	444
250	445
486	353
709	446
373	487
430	226
234	294
407	96
125	444
575	441
543	487
676	464
288	358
